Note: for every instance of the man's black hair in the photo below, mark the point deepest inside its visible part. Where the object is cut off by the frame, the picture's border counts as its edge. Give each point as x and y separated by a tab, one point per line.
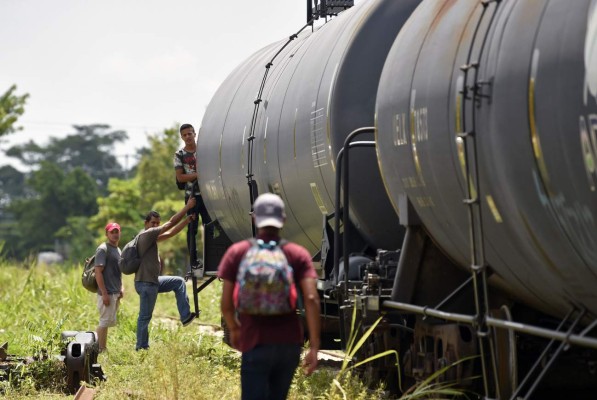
185	126
152	214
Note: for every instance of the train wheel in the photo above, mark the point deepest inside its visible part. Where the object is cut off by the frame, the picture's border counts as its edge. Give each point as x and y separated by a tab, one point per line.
383	369
506	355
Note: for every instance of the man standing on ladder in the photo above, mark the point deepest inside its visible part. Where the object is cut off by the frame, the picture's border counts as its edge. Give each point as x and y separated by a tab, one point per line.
187	178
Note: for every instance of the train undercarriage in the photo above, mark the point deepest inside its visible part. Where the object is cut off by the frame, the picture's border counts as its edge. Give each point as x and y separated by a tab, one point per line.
429	319
424	308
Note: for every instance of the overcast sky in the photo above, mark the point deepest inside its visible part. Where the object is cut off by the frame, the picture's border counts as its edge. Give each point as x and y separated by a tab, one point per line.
137	65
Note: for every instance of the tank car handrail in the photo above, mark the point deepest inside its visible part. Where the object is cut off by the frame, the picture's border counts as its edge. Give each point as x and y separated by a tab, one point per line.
342	181
581	340
430	312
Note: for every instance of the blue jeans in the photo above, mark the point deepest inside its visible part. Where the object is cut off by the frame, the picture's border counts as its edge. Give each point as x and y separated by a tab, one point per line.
266	371
148	294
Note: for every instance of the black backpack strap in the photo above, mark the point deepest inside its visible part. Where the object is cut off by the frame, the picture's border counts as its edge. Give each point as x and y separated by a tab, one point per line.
180	185
103	246
136	244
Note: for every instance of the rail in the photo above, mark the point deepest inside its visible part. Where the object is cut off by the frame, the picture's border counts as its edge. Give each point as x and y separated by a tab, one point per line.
342	168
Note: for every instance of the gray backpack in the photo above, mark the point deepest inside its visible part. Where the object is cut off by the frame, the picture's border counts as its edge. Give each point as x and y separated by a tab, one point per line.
130	259
88	276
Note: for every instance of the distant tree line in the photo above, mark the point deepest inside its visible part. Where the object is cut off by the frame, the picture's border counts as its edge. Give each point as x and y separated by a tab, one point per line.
75	185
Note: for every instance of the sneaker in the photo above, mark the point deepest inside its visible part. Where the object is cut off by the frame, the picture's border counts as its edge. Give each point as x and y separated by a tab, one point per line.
198	270
189	319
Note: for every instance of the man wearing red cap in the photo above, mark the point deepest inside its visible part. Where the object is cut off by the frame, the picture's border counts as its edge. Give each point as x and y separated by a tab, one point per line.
109	282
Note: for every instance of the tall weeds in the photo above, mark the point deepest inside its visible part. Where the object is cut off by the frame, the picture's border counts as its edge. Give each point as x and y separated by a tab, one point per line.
38	303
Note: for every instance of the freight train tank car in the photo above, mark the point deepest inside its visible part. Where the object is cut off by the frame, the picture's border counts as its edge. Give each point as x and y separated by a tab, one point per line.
469	228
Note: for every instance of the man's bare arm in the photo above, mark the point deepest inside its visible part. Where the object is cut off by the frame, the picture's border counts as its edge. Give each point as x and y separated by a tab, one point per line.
227	308
311	300
182	177
172	232
99	278
175	219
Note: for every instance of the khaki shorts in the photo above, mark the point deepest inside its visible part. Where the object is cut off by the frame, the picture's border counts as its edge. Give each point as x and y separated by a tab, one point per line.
108	313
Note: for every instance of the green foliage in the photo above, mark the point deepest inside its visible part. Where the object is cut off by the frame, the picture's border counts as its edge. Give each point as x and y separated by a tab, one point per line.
433	387
59	207
32	377
48	211
156	169
120	205
90	148
39	303
12	184
11	108
183	363
60	195
352	348
76	234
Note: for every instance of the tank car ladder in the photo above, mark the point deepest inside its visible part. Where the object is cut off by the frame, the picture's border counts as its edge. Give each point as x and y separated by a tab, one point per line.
253	189
483	320
471	96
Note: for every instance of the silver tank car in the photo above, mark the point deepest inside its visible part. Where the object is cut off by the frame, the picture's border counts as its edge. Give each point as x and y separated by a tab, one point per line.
321	87
518	77
472	239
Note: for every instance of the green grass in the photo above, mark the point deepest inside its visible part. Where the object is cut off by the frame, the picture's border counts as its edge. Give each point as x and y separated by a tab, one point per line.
39	303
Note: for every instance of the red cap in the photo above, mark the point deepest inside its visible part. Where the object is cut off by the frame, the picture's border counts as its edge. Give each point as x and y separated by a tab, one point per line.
111	226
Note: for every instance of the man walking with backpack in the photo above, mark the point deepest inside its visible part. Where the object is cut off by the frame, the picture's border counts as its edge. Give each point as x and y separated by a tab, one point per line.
109	282
261	315
148	279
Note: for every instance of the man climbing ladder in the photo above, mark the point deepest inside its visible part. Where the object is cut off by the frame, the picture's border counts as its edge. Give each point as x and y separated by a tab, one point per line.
187	179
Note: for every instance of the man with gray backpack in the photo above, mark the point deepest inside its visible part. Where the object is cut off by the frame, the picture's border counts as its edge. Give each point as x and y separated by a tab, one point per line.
109	282
148	279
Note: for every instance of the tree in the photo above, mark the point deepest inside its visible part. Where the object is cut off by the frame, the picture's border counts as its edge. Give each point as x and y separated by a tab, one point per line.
12	184
59	195
122	204
11	180
11	108
90	148
156	169
76	241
